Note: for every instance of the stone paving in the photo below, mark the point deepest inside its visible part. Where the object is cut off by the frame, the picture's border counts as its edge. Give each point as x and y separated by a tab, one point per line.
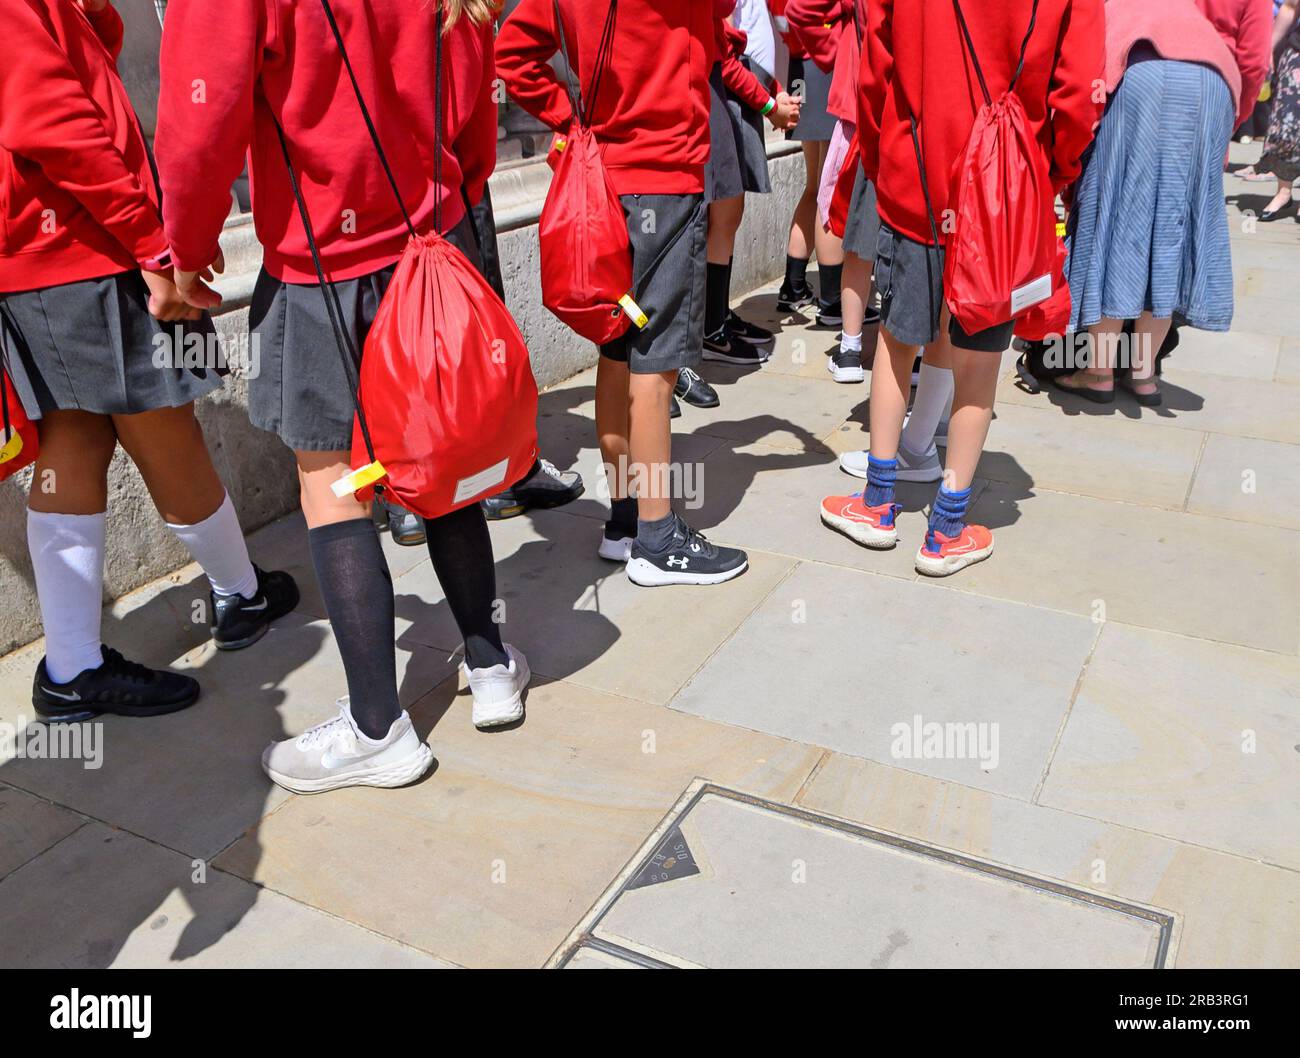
1130	794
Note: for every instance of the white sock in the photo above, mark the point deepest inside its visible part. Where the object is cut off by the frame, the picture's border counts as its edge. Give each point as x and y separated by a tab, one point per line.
933	397
68	557
851	343
217	544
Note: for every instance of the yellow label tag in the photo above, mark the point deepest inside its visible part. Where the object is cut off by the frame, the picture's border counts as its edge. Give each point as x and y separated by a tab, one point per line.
560	144
633	310
358	479
1060	229
11	448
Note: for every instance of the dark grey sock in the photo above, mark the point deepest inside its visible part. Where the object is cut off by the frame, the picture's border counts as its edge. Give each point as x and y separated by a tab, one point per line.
358	593
655	536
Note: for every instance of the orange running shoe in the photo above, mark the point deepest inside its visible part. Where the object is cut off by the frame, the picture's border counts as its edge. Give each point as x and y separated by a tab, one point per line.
869	526
942	556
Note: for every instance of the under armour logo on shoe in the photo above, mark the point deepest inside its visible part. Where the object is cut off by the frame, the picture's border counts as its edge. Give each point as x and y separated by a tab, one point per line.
680	563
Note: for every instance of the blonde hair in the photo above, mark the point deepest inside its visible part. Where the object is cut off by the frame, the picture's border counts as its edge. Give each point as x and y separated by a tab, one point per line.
477	11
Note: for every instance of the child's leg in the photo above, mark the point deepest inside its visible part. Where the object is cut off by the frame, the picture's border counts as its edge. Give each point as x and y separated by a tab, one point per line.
725	216
65	534
975	381
934	396
167	446
356	587
613	424
461	549
856	288
802	225
651	452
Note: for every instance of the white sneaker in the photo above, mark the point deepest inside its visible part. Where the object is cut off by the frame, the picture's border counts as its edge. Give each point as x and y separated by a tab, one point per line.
336	754
911	467
498	691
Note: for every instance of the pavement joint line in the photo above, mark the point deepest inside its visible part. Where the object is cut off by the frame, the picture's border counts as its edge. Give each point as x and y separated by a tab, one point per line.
48	848
812	775
1065	717
1196	470
1167	921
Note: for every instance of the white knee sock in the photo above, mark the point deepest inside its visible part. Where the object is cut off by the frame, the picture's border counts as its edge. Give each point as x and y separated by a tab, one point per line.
933	399
68	557
217	544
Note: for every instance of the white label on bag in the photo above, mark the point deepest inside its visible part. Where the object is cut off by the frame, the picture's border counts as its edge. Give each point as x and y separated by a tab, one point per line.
468	488
1031	293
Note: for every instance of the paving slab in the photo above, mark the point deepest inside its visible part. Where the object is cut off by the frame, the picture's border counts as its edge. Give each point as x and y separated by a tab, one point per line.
491	859
193	780
1288	361
775	888
1249	480
1231	911
777	410
1208	577
578	617
1244	353
861	665
104	898
1188	739
29	826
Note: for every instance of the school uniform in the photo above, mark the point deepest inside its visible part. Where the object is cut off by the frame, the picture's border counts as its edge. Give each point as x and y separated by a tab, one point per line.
806	80
79	218
302	393
651	118
932	77
738	154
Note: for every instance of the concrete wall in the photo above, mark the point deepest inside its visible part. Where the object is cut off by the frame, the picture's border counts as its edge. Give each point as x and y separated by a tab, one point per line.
258	470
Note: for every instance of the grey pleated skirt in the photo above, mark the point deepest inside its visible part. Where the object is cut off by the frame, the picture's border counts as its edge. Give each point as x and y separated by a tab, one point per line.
92	346
738	153
862	227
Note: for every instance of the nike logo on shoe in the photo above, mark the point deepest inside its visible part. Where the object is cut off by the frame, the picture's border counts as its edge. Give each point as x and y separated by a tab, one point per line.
250	608
73	697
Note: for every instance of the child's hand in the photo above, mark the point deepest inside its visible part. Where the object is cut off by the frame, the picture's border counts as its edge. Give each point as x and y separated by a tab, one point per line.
165	301
197	292
785	115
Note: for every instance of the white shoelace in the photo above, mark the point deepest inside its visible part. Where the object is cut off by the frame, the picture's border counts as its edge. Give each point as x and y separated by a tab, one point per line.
337	729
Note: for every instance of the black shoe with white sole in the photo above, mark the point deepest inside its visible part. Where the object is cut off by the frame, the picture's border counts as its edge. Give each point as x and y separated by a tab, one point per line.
744	331
545	487
616	543
694	390
238	622
845	365
830	314
792	299
118	686
689	559
724	348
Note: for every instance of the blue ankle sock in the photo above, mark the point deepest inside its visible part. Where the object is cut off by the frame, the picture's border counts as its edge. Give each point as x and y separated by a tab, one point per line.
881	475
948	514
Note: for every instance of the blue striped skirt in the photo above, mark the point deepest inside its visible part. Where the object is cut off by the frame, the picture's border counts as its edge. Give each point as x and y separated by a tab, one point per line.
1149	229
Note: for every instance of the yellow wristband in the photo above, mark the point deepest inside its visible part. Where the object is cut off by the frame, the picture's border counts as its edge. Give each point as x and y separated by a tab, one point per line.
358	479
633	310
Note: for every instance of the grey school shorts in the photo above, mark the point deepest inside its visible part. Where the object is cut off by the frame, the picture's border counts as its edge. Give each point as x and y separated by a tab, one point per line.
862	228
303	393
909	277
668	281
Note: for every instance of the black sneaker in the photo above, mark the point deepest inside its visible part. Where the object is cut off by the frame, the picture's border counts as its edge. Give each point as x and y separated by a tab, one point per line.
238	622
845	365
721	346
689	559
745	331
616	544
118	686
674	409
792	299
830	315
405	527
694	390
546	487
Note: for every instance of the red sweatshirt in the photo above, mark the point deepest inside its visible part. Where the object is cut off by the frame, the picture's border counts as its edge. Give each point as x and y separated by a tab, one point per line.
651	114
77	194
277	59
829	32
914	60
729	46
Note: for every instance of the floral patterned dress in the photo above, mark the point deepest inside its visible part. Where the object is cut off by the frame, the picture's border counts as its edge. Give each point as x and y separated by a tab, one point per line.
1282	145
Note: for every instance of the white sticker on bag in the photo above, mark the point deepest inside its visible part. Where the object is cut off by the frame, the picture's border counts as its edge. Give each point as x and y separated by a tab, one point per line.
468	488
1031	293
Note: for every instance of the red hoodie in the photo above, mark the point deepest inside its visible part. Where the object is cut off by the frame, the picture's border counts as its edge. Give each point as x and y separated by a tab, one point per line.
651	114
914	61
77	193
277	59
829	31
729	46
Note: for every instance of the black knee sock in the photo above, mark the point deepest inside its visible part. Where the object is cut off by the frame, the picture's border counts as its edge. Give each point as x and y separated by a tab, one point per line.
796	273
828	285
461	550
717	295
358	593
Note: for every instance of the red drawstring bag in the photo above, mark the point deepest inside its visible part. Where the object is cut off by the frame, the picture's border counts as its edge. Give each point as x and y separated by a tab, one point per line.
585	250
1051	317
1002	252
19	443
446	399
